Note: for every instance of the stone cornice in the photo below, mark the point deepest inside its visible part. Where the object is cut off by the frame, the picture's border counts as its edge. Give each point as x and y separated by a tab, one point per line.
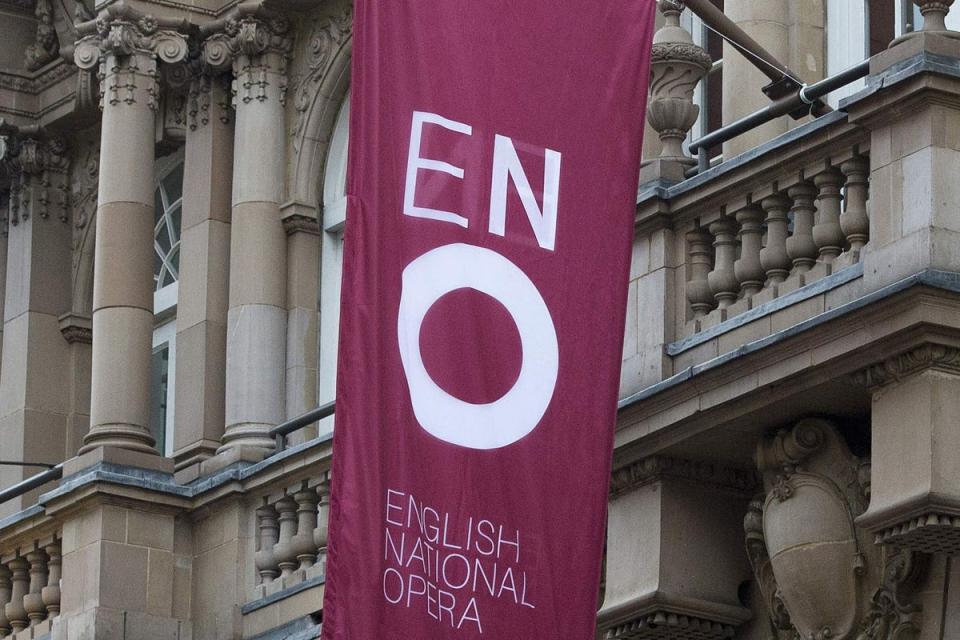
39	81
926	356
655	468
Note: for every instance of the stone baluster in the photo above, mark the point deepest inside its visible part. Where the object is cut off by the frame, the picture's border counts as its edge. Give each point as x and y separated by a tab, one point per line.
748	268
283	552
5	584
303	544
128	47
800	246
699	261
854	220
323	522
723	279
20	579
774	257
264	559
677	65
827	232
51	592
33	601
255	46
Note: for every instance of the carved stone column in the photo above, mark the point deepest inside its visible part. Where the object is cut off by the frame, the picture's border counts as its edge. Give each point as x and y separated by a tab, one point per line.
128	48
748	268
51	592
269	533
677	66
204	275
36	373
33	601
723	280
800	245
256	46
20	579
323	521
700	259
5	591
774	256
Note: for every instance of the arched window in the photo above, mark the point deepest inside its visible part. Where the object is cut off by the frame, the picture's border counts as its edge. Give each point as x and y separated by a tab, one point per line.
334	217
168	203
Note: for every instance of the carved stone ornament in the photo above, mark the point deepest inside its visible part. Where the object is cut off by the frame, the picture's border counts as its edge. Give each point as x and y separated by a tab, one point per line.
821	577
46	46
927	356
676	66
38	167
327	37
636	474
128	45
934	13
257	45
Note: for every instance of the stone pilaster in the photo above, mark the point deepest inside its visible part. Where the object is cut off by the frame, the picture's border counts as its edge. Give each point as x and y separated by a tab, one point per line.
35	380
128	48
303	288
256	47
204	277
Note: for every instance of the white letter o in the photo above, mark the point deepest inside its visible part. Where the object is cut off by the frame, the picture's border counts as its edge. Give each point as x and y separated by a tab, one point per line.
518	412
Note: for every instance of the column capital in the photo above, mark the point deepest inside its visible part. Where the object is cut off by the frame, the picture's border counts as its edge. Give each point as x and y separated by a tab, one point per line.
122	32
125	42
255	45
34	159
246	34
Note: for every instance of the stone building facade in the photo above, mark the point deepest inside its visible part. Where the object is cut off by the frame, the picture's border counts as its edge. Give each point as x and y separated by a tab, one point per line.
787	461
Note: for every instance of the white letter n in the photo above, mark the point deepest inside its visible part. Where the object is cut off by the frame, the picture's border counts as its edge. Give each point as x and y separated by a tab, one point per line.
507	163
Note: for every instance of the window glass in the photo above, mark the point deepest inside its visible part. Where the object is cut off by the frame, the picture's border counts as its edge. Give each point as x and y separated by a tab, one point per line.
167	216
331	257
158	395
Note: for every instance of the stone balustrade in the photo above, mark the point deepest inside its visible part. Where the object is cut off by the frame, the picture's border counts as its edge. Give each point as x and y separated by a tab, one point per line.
30	588
782	235
291	536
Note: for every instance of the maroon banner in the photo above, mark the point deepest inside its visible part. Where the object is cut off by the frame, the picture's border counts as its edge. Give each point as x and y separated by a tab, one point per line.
494	155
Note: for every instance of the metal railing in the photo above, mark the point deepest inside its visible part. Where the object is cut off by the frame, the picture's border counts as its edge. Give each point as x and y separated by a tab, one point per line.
282	430
42	478
806	96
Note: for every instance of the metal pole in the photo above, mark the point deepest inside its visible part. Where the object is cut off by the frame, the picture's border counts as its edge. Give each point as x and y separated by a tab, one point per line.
783	80
14	463
32	482
806	95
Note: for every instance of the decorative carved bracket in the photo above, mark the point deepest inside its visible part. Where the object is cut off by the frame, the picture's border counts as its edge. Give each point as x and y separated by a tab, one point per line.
820	577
